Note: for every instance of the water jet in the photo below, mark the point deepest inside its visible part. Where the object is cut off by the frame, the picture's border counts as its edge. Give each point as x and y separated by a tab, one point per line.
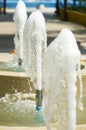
19	18
35	43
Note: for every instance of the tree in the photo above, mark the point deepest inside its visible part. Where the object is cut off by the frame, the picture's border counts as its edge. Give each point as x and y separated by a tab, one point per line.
4	6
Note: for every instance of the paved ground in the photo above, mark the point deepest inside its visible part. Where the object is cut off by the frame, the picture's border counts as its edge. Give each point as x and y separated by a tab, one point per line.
53	26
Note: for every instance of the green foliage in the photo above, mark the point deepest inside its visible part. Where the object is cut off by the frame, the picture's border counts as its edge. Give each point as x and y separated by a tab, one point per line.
79	9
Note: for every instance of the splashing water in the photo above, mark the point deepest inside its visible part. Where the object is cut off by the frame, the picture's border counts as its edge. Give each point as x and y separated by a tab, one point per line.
35	38
19	18
11	66
35	43
17	110
60	61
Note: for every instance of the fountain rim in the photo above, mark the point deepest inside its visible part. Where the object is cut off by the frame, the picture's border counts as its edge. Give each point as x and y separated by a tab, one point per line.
78	127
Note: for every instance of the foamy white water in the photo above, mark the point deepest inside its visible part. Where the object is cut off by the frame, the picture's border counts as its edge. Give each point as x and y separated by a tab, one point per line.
35	43
19	18
60	61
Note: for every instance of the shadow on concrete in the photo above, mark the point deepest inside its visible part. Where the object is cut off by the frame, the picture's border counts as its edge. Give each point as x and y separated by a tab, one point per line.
49	40
8	17
6	43
82	48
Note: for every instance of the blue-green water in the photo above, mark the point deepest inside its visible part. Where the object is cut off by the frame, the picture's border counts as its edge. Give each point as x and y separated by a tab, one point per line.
11	66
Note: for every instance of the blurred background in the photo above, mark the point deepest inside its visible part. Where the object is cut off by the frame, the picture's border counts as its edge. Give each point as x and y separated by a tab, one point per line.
58	14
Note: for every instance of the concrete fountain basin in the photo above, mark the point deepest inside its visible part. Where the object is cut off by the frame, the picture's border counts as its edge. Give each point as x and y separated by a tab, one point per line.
80	127
18	82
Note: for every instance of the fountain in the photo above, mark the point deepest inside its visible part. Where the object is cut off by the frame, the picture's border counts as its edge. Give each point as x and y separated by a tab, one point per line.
35	43
55	68
19	18
61	59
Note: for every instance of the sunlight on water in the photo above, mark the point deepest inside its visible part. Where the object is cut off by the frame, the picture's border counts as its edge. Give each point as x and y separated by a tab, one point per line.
19	113
60	63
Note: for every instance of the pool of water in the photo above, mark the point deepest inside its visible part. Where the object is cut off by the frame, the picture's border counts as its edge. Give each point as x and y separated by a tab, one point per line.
20	113
11	66
23	113
81	115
